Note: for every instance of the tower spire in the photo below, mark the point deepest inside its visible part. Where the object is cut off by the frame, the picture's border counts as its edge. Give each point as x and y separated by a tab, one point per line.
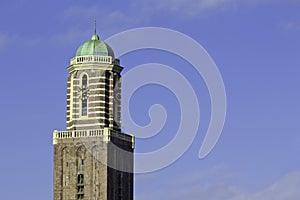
95	25
95	36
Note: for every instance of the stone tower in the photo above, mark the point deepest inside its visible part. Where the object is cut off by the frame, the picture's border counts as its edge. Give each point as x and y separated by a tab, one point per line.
93	159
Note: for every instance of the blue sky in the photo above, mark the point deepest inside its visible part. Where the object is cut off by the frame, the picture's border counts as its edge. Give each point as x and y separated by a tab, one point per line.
255	45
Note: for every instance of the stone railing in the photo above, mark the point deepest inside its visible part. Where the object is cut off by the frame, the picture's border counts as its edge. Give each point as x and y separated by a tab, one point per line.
106	133
91	59
78	133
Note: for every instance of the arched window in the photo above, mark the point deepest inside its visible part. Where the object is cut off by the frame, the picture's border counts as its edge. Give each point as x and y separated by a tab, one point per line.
84	89
84	80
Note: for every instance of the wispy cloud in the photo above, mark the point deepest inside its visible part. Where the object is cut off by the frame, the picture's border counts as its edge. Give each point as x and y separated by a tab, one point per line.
7	41
136	13
285	188
290	25
215	189
4	39
106	17
195	8
187	7
78	22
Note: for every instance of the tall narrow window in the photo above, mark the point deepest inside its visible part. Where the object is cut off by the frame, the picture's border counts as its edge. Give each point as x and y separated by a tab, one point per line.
84	95
84	80
80	187
80	179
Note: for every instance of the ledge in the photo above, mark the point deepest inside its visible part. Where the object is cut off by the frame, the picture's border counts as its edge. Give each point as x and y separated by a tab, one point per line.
106	133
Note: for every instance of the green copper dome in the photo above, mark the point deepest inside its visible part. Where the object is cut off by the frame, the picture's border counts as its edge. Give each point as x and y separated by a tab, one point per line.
95	47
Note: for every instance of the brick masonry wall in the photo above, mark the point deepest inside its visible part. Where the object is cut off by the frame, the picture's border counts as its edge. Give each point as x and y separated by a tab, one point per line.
89	157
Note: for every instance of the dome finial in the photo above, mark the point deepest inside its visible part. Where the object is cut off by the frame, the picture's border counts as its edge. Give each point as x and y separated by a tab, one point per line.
95	25
95	36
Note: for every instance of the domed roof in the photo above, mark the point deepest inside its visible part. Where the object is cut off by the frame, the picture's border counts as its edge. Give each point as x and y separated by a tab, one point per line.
95	47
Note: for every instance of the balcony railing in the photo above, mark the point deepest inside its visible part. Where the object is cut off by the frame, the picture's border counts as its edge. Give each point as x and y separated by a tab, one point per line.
106	133
91	59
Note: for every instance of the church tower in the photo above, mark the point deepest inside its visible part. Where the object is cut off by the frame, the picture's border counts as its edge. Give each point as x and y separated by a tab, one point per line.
93	159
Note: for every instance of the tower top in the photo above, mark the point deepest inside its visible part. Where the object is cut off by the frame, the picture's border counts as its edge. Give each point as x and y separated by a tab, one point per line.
95	47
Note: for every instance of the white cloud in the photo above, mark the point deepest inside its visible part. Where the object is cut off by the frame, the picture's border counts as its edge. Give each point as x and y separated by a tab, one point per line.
134	13
111	20
183	7
289	25
286	188
213	187
79	22
7	41
4	39
193	8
